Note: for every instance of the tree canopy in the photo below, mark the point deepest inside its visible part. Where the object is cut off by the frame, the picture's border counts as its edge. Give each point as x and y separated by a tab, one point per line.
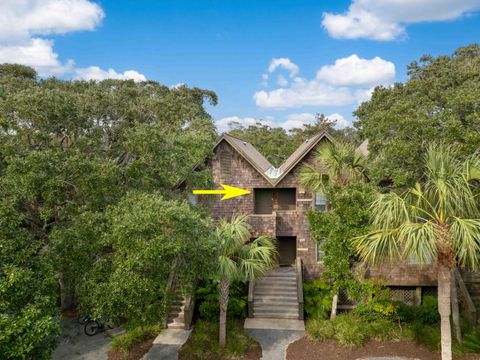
73	155
440	100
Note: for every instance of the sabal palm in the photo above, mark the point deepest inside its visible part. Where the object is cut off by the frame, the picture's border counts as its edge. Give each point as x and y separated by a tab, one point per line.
338	162
438	219
239	259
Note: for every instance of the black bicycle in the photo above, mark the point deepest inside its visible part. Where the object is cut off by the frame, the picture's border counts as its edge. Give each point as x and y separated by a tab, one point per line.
93	327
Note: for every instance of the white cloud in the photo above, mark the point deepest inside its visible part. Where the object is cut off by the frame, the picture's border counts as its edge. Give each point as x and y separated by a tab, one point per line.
386	19
21	20
297	120
95	73
355	71
227	123
284	63
341	122
282	81
37	53
343	83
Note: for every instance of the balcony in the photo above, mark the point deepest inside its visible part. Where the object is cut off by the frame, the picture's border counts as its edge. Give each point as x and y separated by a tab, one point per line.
280	223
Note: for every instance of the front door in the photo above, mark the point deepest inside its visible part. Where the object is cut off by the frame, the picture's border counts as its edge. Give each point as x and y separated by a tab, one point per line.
287	250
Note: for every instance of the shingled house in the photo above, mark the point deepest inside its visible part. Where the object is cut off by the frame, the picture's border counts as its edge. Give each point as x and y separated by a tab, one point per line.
277	206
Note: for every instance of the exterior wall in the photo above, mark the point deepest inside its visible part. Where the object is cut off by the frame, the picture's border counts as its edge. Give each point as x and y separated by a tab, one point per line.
291	222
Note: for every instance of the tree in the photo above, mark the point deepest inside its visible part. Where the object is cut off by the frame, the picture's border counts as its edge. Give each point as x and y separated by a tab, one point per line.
438	219
440	100
239	259
340	174
70	151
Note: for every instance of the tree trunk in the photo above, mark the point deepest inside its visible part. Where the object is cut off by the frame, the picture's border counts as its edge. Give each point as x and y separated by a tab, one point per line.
224	293
444	288
333	314
455	310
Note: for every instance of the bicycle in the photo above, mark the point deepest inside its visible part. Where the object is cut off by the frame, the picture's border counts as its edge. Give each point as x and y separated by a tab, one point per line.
93	327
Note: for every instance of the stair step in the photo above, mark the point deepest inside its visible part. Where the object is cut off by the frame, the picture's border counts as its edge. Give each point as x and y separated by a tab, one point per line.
275	315
277	281
175	326
177	316
276	309
274	292
287	288
275	300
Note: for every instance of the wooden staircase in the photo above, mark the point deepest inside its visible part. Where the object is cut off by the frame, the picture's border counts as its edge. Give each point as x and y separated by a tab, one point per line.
276	295
472	282
176	317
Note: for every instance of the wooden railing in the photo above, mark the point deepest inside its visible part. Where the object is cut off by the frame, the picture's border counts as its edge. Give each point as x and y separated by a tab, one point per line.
188	310
299	270
467	306
251	288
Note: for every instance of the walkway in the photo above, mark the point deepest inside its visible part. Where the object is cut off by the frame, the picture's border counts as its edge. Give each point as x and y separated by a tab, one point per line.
274	335
167	344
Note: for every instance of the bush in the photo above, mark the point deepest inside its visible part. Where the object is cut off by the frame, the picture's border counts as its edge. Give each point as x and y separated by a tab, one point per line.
203	343
351	330
426	313
383	330
424	334
134	336
471	341
318	299
320	329
208	297
376	310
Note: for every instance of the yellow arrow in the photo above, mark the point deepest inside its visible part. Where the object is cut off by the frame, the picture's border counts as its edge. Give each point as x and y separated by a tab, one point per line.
228	192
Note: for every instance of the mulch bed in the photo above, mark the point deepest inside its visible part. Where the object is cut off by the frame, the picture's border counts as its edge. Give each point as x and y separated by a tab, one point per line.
305	349
135	353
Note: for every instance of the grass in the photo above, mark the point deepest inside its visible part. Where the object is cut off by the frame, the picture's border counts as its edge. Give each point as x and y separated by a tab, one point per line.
134	336
203	342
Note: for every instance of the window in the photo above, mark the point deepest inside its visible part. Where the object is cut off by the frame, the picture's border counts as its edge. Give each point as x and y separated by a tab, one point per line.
284	199
263	201
192	199
320	252
225	165
321	203
269	200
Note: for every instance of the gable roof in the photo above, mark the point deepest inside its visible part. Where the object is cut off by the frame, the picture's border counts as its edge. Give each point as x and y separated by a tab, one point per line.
262	165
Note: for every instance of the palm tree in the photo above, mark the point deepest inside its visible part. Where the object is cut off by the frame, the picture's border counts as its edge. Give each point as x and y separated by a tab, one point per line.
438	219
239	259
339	163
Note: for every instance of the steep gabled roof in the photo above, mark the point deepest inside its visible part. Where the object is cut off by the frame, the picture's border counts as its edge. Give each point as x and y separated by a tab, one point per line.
262	165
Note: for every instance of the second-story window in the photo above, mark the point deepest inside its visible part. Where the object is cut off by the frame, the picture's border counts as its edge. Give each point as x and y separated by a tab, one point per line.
321	202
269	200
225	165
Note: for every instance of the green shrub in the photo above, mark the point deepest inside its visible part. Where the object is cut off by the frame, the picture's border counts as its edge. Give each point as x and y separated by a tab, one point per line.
317	299
134	336
426	313
208	297
424	334
376	310
203	343
383	330
320	329
471	341
351	330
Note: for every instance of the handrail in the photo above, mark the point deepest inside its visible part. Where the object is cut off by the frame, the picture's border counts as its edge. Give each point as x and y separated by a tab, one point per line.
468	305
251	287
188	310
298	269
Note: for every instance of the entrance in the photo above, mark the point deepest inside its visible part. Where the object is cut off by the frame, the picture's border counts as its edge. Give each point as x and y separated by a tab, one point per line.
287	250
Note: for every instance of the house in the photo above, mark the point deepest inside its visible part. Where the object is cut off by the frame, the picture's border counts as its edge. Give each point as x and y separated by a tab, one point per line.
277	206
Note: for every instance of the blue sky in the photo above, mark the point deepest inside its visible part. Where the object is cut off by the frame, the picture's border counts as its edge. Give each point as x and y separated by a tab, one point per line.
228	47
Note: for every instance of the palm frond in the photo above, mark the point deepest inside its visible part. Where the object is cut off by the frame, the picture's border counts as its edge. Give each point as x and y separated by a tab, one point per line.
377	247
418	241
465	235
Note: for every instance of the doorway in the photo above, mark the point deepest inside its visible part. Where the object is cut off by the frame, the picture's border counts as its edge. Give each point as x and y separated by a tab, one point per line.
287	250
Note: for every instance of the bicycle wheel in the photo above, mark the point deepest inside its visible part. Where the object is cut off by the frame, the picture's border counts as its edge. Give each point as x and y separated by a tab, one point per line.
91	327
83	319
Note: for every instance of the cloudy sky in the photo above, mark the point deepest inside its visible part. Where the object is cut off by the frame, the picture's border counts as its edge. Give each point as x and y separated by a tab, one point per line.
273	60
